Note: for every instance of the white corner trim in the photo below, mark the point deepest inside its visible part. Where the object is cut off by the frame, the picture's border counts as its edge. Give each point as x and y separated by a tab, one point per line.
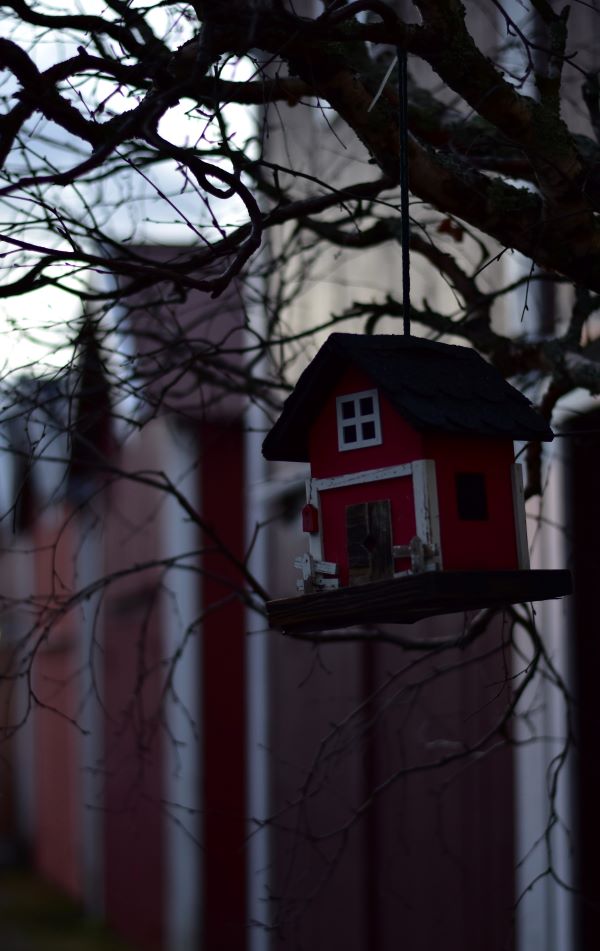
182	763
516	474
427	512
315	539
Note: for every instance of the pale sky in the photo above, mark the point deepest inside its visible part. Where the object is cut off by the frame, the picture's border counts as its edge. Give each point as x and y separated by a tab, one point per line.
32	325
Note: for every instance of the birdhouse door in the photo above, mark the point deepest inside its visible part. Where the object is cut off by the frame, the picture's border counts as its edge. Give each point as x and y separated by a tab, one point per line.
369	541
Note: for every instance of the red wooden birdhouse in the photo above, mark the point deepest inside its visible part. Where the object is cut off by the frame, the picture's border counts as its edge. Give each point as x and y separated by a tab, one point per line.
414	501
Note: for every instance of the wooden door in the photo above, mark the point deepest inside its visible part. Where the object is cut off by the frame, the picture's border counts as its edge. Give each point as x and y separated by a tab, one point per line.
369	541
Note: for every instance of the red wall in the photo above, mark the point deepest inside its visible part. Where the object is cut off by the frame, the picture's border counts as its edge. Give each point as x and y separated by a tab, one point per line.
132	683
484	545
583	518
58	770
401	443
56	736
223	690
428	862
134	814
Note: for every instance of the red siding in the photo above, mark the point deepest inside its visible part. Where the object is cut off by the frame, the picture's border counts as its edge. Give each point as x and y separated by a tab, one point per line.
442	856
401	443
583	500
488	544
134	817
58	770
429	864
223	691
57	740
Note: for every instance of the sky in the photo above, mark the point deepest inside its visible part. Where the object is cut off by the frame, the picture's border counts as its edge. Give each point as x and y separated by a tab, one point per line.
33	325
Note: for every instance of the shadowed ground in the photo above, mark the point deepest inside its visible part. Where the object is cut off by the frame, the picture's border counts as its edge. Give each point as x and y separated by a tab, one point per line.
36	917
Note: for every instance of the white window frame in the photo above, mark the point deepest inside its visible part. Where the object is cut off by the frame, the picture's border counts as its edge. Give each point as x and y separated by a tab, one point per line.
358	420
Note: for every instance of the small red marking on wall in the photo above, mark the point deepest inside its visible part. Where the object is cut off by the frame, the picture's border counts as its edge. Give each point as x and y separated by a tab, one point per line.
310	519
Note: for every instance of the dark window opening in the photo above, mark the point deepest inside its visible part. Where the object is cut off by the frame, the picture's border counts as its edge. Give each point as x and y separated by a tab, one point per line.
368	430
471	496
349	434
348	410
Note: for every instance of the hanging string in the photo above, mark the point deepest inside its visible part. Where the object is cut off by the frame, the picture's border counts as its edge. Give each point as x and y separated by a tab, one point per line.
405	221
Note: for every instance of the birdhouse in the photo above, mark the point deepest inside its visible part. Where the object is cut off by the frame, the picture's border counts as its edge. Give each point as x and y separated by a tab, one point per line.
414	501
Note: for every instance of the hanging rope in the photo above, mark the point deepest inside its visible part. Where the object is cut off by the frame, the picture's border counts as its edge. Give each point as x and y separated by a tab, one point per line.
405	221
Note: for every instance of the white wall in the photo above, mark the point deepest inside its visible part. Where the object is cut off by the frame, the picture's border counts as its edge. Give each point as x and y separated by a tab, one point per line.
183	764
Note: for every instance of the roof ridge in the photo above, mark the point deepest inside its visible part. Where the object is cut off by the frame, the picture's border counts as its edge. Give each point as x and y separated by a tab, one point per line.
416	376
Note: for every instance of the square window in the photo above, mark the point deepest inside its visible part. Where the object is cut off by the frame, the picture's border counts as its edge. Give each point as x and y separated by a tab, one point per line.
471	496
358	420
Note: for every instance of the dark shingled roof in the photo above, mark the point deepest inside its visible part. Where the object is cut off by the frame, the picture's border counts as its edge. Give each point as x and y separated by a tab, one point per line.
434	386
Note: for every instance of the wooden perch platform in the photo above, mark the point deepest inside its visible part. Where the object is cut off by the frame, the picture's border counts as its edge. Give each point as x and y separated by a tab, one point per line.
415	597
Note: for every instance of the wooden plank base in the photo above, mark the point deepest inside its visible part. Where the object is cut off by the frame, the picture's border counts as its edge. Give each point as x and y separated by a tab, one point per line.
410	599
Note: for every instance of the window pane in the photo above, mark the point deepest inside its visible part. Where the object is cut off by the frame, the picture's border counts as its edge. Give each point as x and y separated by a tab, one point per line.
368	430
348	410
366	406
349	434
